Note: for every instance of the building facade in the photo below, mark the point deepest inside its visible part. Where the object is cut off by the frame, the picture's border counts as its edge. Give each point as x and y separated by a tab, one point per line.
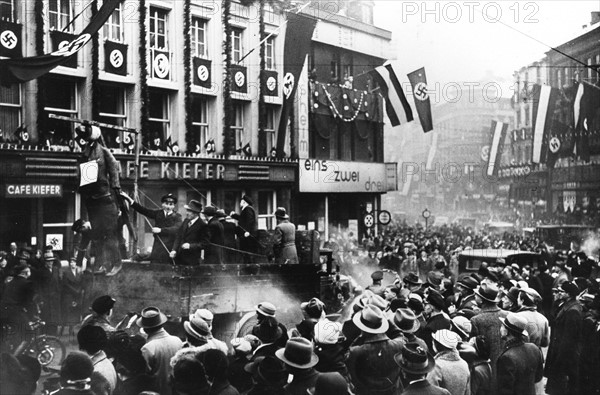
156	67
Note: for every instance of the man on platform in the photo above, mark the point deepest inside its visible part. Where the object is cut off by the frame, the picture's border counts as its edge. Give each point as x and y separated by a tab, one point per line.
213	254
166	224
247	227
192	236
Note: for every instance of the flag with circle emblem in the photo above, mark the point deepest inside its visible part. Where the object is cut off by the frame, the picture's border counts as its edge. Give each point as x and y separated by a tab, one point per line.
418	81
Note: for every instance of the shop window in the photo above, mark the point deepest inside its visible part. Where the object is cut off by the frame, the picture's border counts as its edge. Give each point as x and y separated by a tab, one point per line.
60	15
158	30
200	120
199	38
266	208
237	45
113	28
159	118
61	99
10	111
112	111
270	53
238	123
270	128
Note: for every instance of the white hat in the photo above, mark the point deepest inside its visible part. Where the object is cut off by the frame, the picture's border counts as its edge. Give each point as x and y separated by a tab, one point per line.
446	338
205	315
327	332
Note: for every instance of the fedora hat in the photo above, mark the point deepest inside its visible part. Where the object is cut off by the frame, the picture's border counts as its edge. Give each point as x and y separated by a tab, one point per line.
331	383
530	293
414	359
378	301
487	292
298	353
248	200
313	308
406	320
413	279
210	211
515	323
269	369
446	338
267	309
462	325
194	206
281	212
468	283
205	315
371	320
221	213
197	328
169	197
151	317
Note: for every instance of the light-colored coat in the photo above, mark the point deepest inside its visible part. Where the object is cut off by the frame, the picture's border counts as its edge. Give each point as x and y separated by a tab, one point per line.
451	373
285	243
537	326
158	351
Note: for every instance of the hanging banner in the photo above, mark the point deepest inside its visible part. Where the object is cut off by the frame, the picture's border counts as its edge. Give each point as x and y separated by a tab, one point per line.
239	79
115	58
26	69
10	39
61	40
201	72
271	86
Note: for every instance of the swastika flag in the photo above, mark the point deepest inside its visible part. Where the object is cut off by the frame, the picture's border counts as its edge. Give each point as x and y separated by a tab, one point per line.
418	81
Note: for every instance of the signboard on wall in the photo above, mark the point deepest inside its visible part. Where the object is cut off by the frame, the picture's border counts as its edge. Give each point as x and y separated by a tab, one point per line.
33	190
318	175
55	240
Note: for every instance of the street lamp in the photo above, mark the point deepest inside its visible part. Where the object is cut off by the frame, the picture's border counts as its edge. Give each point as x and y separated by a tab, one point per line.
426	214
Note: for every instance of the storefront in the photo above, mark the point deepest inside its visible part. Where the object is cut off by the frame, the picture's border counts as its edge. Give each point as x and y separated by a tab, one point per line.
40	201
335	196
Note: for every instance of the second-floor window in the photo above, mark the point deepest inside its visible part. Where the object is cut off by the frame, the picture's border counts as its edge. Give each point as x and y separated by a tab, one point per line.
10	110
159	115
159	28
270	128
8	10
199	38
237	47
112	111
200	120
60	14
238	123
270	53
113	28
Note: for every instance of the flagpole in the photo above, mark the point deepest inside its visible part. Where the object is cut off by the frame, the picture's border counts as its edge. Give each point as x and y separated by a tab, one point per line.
270	34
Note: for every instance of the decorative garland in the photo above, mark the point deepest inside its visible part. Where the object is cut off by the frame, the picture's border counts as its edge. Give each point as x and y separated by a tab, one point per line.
190	138
262	110
228	138
336	112
39	49
144	93
95	68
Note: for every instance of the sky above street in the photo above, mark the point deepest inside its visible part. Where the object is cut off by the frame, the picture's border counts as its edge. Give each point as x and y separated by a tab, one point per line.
472	41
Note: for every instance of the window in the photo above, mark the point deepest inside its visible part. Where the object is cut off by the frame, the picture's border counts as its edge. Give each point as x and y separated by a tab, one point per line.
60	99
200	120
60	13
567	80
237	47
266	208
559	78
589	69
113	28
238	122
270	128
10	110
112	111
199	38
270	53
158	28
159	115
8	10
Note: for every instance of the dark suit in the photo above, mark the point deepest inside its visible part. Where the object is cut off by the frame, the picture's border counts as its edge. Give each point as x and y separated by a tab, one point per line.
424	387
229	229
169	226
519	367
564	350
213	254
247	222
197	236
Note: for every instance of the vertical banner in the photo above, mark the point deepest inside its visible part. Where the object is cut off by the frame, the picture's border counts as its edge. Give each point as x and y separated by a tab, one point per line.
115	58
498	135
544	100
201	72
418	81
303	135
298	35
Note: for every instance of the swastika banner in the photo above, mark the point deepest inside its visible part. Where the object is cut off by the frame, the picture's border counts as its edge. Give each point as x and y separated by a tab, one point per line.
418	81
10	39
115	58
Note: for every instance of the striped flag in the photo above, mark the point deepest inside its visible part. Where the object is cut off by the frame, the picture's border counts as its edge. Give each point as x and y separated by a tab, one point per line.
396	104
498	134
544	101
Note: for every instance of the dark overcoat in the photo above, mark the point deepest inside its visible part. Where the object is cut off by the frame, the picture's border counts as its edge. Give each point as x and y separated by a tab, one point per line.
519	367
168	224
213	254
197	236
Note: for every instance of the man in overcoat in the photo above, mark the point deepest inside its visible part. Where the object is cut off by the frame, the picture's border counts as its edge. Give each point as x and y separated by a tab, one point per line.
284	245
166	224
213	254
192	236
520	365
247	227
562	368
